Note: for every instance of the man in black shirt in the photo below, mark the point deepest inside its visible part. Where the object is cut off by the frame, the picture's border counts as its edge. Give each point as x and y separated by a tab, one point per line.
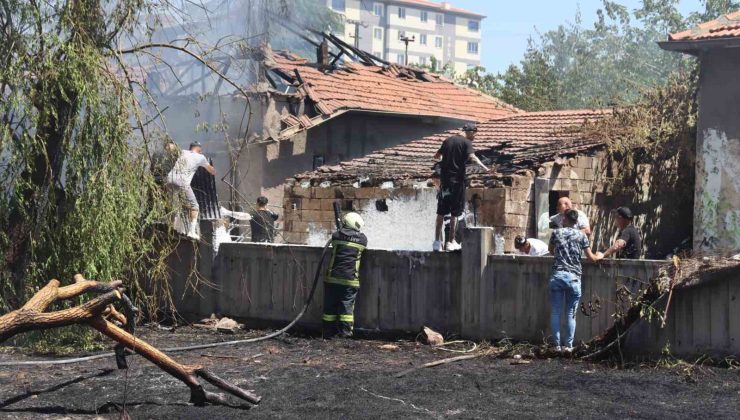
263	222
628	245
454	152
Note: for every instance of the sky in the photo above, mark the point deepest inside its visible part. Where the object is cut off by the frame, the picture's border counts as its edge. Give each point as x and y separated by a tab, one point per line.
509	24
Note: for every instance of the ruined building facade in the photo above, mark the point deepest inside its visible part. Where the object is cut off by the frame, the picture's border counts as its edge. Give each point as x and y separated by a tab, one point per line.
717	192
539	157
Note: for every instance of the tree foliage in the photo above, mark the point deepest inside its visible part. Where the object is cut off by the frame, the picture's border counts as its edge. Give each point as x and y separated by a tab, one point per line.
574	66
78	126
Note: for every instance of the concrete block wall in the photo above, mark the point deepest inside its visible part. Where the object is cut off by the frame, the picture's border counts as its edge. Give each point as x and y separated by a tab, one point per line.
509	208
470	294
701	320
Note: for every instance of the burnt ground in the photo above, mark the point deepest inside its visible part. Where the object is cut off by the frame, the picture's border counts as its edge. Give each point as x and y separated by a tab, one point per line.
304	377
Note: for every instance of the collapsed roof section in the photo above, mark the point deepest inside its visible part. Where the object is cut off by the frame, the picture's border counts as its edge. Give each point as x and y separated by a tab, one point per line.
368	85
522	141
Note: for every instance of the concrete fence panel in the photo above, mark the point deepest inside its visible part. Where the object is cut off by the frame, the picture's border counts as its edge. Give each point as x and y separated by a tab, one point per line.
471	293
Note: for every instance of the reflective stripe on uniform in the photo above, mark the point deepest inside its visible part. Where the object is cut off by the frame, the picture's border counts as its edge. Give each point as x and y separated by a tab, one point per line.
329	318
347	318
349	244
342	282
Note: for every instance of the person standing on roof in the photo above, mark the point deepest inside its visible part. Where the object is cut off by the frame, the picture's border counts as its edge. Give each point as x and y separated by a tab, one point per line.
182	174
567	244
455	153
342	279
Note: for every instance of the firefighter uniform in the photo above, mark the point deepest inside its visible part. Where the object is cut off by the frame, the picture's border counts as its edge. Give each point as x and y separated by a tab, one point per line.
342	282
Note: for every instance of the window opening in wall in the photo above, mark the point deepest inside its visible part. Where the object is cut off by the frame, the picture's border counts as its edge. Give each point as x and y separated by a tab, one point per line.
378	9
438	42
473	26
554	197
347	205
440	19
423	39
381	205
472	48
424	16
318	161
402	13
378	33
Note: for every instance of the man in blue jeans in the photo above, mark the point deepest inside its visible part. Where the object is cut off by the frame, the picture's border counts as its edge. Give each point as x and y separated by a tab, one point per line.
567	244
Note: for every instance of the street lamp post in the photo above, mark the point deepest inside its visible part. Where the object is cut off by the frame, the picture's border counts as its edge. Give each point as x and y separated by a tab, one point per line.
406	40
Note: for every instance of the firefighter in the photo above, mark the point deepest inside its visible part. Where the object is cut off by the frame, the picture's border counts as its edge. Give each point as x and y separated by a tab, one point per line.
343	277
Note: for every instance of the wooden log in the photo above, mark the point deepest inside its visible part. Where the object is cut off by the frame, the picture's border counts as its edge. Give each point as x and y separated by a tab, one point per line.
23	320
32	317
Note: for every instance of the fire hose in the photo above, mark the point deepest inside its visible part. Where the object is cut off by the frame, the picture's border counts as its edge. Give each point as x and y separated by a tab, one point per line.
118	355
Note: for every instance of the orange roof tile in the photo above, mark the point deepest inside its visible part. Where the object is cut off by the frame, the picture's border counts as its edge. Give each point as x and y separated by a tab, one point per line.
727	26
392	89
520	141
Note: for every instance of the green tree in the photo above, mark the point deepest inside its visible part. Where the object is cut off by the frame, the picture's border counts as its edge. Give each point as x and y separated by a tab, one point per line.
614	61
76	136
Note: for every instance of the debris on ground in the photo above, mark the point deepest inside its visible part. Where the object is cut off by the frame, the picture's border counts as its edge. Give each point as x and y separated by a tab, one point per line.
228	326
223	325
431	337
389	347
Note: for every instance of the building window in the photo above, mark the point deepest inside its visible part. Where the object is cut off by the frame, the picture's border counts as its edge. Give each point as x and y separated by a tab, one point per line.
402	13
438	42
378	9
473	25
400	59
423	39
381	205
440	19
424	16
338	5
378	33
423	61
472	48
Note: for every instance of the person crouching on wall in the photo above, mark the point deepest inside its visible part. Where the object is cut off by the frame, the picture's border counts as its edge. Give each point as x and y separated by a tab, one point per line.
342	279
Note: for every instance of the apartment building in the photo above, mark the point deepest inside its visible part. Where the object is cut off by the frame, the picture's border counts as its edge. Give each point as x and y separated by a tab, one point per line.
440	30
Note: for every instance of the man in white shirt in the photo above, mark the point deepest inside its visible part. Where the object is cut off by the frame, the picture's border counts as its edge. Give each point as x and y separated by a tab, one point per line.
181	175
564	204
531	246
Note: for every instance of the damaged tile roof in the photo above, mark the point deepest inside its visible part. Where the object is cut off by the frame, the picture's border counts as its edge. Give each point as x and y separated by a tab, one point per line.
727	26
385	89
522	141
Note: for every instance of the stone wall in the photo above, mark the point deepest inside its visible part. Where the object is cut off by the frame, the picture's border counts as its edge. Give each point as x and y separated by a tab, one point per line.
518	205
509	208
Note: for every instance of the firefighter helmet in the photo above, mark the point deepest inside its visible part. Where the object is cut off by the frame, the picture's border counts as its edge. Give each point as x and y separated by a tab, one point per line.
353	221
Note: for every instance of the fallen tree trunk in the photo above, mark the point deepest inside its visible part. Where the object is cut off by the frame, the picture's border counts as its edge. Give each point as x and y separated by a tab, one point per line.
94	313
